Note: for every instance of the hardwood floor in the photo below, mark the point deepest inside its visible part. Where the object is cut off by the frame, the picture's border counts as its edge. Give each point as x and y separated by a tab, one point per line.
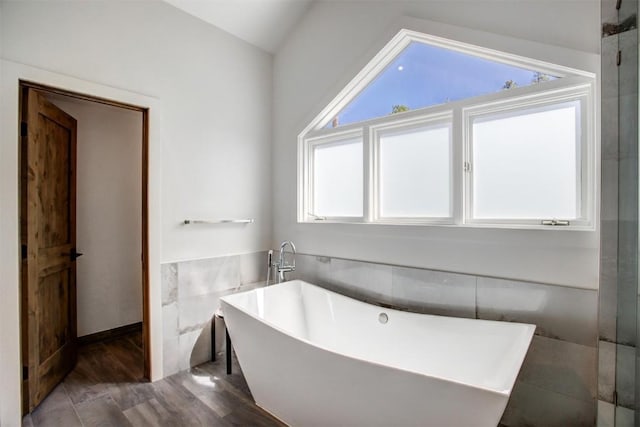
106	389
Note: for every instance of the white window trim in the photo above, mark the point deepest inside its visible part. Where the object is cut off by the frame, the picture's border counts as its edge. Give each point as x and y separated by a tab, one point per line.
572	80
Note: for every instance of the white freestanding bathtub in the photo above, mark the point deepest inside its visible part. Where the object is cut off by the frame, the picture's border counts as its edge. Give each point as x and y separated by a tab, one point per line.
312	357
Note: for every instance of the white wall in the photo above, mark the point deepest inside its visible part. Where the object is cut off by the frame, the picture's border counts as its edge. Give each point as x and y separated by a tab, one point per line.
2	293
12	72
210	100
333	43
216	92
109	214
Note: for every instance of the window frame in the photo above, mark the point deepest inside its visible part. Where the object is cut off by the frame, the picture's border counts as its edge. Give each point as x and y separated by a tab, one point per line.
311	144
582	94
571	82
424	121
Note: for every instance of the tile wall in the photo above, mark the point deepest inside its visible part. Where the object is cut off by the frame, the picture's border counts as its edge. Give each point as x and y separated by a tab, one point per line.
557	384
191	292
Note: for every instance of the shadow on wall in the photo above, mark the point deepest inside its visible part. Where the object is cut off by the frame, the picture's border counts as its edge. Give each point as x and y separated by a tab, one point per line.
201	352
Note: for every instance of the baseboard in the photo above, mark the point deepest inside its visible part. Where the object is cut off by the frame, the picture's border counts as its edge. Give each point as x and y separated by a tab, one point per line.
110	334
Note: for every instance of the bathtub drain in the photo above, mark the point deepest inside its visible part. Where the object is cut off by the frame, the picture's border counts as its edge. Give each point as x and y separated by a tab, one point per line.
383	318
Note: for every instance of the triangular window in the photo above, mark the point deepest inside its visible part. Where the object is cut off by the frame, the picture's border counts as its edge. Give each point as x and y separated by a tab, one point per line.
423	75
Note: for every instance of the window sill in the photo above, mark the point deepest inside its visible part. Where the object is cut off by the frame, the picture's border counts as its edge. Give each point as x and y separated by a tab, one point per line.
581	227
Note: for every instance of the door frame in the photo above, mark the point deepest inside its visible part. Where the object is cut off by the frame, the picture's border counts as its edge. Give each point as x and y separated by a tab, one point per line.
11	73
25	84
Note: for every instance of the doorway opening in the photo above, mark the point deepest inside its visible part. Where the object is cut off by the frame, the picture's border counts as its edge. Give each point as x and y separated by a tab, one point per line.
77	191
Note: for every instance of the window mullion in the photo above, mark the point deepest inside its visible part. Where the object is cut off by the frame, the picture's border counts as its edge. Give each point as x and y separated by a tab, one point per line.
457	170
368	170
580	161
310	184
467	165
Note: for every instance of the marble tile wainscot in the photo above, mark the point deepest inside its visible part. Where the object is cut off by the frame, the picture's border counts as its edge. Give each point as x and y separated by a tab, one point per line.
191	292
557	385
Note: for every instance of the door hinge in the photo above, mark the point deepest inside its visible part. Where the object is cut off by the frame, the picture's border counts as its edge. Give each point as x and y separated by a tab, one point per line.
615	398
23	128
25	373
24	251
467	167
619	58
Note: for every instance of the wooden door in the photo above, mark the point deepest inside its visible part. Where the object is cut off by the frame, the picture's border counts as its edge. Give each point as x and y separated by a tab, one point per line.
48	245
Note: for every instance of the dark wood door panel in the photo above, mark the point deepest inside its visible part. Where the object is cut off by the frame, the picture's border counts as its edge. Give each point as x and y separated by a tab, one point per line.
55	258
49	236
54	190
55	369
54	317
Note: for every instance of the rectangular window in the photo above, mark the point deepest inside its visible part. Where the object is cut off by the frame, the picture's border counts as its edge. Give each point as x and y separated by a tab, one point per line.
415	172
512	159
337	178
526	163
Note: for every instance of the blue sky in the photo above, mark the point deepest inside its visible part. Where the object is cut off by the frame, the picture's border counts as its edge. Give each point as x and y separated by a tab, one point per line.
424	75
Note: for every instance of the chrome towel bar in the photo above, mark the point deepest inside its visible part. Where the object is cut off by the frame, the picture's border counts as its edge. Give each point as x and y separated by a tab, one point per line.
218	221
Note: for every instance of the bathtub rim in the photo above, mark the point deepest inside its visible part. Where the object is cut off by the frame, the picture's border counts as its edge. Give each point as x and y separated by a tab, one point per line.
505	393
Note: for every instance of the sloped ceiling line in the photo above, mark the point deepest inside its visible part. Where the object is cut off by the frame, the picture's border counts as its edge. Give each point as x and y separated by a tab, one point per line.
263	23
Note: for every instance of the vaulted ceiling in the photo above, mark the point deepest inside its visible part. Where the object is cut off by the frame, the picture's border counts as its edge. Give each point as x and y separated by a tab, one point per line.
263	23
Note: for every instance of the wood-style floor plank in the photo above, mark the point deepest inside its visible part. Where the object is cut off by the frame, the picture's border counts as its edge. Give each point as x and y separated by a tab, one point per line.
101	412
105	389
56	410
232	392
208	390
104	366
149	413
235	382
82	385
136	339
127	395
245	415
185	408
129	355
26	421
